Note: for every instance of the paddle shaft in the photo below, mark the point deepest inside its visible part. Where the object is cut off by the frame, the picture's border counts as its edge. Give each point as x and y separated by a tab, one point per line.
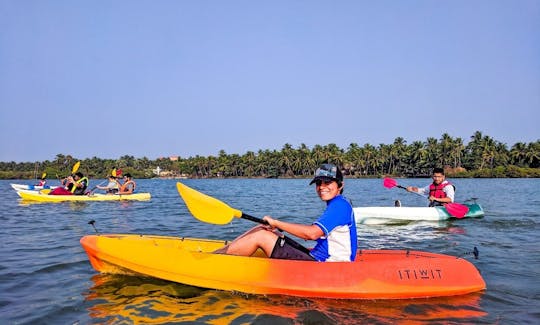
287	239
431	203
94	188
252	218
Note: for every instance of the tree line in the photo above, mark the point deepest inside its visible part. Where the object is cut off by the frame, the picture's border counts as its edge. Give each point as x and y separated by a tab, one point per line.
482	156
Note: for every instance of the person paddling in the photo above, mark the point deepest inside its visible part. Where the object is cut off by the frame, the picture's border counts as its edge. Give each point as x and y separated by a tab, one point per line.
112	186
334	230
440	191
129	185
74	185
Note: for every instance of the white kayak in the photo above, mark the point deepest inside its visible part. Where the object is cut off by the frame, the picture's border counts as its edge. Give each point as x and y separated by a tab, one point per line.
18	187
382	215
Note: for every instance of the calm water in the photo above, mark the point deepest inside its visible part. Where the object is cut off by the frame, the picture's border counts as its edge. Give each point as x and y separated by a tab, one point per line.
45	276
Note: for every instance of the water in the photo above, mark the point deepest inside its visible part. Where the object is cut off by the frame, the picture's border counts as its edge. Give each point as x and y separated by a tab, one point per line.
45	276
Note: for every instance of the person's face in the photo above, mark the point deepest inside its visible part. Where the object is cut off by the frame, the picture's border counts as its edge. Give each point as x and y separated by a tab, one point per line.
327	190
438	178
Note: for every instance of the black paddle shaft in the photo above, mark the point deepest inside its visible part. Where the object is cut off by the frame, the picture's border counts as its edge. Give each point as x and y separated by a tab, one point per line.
252	218
286	238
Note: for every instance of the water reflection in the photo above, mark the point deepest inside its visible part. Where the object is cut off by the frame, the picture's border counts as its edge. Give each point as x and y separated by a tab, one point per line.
130	299
73	205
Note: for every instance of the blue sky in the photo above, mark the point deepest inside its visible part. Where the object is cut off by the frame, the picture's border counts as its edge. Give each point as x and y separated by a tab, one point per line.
161	78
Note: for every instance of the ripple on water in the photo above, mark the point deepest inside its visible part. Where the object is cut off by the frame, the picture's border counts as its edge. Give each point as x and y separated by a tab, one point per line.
45	276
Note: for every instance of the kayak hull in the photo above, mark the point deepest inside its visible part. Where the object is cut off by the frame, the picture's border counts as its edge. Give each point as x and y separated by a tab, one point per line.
378	215
42	197
18	187
376	274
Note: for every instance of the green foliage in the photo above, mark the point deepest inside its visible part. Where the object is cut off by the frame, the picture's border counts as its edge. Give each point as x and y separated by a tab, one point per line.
481	157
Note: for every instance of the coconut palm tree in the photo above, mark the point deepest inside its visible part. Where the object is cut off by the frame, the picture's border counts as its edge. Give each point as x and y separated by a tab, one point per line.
517	154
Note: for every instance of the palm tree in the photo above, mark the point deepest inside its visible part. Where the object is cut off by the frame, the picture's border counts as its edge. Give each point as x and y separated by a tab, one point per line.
334	154
517	154
473	151
457	152
370	156
249	161
532	154
433	152
489	151
353	159
318	154
445	150
304	161
286	160
397	155
416	159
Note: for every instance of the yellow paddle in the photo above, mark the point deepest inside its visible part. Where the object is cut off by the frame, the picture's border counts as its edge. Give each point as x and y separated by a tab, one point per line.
210	210
45	191
75	167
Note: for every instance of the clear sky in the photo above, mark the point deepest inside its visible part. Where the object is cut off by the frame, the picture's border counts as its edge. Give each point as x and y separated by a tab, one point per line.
162	78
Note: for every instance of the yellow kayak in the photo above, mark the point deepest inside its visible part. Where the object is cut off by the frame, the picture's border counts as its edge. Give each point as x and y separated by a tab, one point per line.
43	197
375	274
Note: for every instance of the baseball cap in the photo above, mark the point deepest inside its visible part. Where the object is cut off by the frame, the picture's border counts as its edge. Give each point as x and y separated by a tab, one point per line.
327	172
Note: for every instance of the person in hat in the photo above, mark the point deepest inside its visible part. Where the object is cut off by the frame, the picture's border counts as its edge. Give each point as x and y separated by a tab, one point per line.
129	185
112	186
334	231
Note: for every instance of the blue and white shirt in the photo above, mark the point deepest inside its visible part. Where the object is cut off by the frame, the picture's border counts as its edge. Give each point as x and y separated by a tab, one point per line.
339	242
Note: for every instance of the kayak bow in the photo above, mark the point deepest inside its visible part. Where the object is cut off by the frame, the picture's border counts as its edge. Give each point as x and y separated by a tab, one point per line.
18	187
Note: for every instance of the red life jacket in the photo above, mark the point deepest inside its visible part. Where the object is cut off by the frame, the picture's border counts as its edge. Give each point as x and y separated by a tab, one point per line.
437	190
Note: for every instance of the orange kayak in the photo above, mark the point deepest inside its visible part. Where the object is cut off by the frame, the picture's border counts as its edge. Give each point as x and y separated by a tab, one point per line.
375	274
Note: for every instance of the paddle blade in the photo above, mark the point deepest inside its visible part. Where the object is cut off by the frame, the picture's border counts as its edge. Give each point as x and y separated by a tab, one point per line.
113	173
43	175
75	167
45	191
206	208
457	210
389	182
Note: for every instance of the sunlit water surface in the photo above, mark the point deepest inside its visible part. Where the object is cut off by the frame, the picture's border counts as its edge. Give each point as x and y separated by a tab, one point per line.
45	276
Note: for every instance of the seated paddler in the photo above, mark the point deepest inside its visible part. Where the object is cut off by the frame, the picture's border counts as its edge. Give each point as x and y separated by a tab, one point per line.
334	230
